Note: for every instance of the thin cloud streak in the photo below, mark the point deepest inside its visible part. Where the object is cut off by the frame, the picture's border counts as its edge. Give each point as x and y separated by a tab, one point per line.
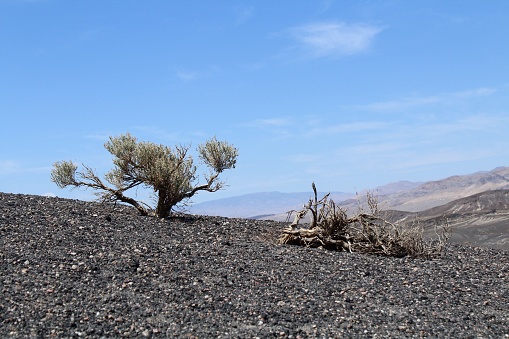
402	146
385	157
304	158
478	92
469	124
334	39
243	14
9	167
441	157
100	137
349	128
186	75
272	122
279	127
410	102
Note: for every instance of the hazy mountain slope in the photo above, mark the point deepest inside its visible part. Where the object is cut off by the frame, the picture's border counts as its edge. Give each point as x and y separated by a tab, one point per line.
484	202
436	193
394	187
258	204
439	192
481	219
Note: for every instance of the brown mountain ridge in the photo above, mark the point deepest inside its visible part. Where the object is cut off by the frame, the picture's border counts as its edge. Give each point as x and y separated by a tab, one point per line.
481	219
436	193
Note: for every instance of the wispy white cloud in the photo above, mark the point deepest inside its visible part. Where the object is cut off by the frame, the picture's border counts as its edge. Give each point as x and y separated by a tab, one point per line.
277	126
149	133
477	92
374	148
26	1
90	34
9	166
485	121
271	122
187	75
12	166
335	38
471	124
403	145
360	126
254	66
416	101
441	157
243	14
400	104
318	127
101	137
304	158
325	5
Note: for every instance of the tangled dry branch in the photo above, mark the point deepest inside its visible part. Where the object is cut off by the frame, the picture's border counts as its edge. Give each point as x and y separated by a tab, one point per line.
331	228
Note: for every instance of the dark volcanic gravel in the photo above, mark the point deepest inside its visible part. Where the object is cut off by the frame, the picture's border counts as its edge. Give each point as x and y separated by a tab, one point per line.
79	269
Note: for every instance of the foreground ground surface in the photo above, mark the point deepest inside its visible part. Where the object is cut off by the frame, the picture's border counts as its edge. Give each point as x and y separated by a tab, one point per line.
76	269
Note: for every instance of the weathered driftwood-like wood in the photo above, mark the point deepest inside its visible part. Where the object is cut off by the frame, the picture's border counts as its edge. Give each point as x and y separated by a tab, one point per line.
314	238
330	228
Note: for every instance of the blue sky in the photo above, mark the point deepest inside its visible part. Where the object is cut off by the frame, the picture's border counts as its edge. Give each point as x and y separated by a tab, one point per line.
349	94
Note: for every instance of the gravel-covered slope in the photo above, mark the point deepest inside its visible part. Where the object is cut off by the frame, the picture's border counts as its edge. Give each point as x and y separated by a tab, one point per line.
78	269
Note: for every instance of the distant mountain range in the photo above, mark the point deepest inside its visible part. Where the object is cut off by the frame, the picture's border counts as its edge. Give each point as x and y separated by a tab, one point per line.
403	195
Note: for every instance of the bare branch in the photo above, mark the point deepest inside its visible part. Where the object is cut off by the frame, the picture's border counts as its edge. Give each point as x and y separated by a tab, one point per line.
365	232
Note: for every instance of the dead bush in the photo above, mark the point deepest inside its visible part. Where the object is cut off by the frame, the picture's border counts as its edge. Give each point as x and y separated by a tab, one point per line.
366	232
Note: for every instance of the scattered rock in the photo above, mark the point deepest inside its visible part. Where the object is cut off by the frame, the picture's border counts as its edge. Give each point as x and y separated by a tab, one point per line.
66	273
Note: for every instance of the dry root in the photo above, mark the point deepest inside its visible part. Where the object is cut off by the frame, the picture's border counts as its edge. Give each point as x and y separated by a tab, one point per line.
330	228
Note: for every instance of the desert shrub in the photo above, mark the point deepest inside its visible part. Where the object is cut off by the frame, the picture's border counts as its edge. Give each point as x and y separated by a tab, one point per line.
366	232
169	172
